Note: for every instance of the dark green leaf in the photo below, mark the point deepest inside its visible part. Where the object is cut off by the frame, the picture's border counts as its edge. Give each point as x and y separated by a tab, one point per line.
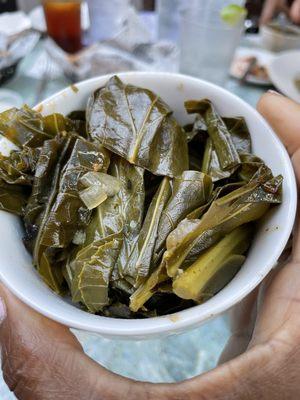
137	125
147	289
250	164
224	214
239	133
215	267
211	165
48	168
131	205
23	127
139	263
92	271
51	271
68	214
13	198
18	168
113	230
65	215
218	132
190	190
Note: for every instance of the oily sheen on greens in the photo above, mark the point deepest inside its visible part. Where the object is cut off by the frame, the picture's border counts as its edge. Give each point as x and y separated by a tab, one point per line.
127	212
138	125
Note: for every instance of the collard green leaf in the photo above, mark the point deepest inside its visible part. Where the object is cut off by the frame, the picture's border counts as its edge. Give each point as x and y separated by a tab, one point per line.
51	271
92	271
147	289
65	214
131	205
13	198
250	164
215	267
56	123
23	127
211	165
49	165
18	168
243	205
79	122
239	133
115	226
28	128
218	132
139	262
197	138
137	125
68	213
190	190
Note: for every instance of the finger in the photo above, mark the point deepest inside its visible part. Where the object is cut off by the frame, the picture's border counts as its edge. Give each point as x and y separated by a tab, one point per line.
295	12
34	350
283	115
279	316
268	11
296	236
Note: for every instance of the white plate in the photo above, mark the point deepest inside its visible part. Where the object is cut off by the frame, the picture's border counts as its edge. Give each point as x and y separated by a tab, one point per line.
264	58
283	70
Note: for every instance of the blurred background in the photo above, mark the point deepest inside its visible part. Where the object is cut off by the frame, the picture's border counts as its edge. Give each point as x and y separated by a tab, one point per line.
48	44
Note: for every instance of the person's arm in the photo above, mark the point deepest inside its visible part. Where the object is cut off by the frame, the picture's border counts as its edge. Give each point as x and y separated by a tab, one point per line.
42	360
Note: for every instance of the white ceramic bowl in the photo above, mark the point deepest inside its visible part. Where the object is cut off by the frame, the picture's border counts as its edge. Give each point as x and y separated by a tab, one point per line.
18	274
278	41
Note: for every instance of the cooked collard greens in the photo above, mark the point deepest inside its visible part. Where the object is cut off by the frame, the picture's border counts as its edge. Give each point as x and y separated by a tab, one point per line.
126	211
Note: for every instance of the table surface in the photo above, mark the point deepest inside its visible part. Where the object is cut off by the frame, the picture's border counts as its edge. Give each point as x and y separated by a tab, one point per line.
160	360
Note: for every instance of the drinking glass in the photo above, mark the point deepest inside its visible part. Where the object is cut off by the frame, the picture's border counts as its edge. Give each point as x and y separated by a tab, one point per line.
63	19
105	17
168	19
207	43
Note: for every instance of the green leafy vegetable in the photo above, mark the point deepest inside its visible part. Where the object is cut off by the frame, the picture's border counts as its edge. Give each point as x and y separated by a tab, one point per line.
215	267
218	132
139	263
92	271
13	198
131	206
136	124
23	127
109	236
126	211
65	214
243	205
45	182
189	191
147	289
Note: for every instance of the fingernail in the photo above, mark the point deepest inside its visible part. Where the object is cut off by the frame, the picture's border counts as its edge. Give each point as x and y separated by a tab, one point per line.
274	92
2	310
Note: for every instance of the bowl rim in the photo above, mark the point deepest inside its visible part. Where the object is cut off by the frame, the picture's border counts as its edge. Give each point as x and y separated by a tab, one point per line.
189	318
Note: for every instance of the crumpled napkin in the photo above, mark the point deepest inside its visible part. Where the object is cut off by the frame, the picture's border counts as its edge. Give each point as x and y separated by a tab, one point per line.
131	49
16	38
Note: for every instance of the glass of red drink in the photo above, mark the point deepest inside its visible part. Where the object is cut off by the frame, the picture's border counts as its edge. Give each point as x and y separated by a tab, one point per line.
63	19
